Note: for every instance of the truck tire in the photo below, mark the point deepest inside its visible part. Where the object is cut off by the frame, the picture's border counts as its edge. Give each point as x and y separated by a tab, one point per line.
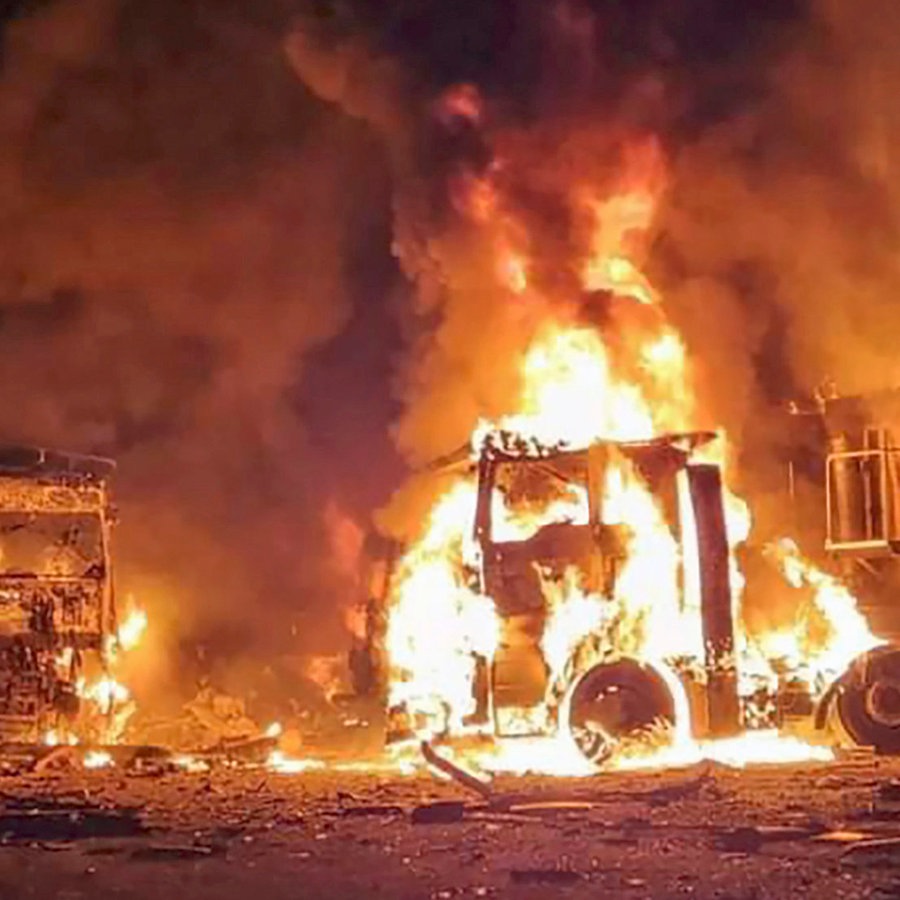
615	702
868	699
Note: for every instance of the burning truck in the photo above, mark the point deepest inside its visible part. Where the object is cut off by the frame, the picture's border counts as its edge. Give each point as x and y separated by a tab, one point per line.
579	601
575	593
57	610
843	483
545	524
545	528
586	635
604	690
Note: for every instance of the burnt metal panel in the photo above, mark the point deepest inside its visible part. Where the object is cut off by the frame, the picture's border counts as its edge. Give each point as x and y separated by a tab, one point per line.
717	619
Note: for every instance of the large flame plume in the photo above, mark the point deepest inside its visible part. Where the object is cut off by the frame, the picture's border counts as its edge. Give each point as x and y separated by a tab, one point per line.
604	362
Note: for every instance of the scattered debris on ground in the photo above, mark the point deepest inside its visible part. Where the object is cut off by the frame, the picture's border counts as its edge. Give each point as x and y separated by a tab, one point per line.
702	832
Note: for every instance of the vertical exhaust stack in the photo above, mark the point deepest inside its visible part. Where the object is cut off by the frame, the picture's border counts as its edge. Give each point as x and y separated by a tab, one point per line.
723	708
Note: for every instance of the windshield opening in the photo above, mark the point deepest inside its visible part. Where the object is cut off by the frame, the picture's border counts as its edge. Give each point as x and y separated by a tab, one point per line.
63	545
531	494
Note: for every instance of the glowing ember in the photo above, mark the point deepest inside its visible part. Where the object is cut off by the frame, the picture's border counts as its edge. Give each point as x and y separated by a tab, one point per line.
286	765
97	759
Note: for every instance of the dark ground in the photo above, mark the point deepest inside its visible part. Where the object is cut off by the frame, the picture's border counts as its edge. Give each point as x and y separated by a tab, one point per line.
254	834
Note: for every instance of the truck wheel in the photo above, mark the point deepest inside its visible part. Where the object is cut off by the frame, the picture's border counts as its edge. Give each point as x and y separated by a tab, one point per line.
868	700
615	702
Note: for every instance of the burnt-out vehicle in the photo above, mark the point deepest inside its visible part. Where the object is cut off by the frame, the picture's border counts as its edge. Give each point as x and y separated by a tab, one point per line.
600	695
841	461
56	593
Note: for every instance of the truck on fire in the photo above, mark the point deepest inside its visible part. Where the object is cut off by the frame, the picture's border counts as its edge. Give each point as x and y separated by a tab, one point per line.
610	691
57	608
604	694
842	476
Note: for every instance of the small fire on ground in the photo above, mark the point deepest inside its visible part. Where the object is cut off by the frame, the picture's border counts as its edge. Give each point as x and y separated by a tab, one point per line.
106	704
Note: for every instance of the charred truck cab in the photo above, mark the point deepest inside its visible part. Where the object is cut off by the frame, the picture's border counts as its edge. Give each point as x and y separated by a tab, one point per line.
604	695
56	595
614	696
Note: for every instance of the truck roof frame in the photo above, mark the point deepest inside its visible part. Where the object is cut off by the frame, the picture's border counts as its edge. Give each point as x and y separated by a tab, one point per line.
26	461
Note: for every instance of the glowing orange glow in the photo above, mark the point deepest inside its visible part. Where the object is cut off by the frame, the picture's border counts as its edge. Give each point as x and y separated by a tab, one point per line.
131	630
97	759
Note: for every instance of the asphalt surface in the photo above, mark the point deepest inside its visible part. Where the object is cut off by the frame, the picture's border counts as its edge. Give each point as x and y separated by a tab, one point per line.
701	832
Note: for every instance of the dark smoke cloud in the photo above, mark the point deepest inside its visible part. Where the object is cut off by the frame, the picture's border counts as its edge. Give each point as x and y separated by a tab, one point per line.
568	88
783	225
176	240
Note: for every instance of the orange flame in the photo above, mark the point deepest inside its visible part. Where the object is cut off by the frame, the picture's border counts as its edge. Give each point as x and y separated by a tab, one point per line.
437	622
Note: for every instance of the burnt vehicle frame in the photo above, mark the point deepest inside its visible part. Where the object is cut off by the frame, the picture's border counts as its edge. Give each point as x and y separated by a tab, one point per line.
842	468
616	694
619	693
57	603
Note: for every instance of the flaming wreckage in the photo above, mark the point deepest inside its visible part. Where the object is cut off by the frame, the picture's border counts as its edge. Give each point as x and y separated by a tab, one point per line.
585	620
599	693
57	611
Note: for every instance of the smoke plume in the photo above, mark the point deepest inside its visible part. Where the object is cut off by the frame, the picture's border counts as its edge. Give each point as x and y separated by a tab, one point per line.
775	244
539	99
177	238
